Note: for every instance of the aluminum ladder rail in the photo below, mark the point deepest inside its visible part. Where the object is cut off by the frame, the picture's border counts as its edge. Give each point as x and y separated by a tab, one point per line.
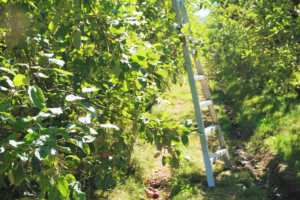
182	19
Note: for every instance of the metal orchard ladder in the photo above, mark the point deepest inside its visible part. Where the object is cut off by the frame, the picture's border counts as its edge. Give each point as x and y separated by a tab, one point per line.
182	19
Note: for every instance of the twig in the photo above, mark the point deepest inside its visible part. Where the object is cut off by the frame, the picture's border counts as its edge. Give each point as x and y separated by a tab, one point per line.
59	90
134	120
120	108
34	194
98	21
29	62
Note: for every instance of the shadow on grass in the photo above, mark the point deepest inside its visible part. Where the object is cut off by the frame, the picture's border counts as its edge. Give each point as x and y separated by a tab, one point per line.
235	184
260	115
250	106
284	168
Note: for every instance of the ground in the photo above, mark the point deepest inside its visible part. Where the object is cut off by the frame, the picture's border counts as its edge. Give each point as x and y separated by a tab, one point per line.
249	153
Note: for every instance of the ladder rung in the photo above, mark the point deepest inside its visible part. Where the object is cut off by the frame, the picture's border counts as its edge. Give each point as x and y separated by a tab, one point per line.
205	103
210	129
218	154
199	77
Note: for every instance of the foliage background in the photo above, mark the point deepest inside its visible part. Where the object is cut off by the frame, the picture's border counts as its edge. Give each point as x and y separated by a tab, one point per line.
77	80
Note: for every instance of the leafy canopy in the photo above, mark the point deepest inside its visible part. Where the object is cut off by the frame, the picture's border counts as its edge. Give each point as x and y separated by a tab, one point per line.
77	79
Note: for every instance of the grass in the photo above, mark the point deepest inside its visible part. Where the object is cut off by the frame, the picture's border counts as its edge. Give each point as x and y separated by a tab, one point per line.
189	181
142	166
269	124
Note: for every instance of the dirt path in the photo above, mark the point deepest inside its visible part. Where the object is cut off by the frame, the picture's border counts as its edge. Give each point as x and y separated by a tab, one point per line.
161	175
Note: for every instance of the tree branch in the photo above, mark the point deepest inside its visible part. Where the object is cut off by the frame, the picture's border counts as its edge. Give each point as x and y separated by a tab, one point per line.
29	62
134	120
34	194
98	21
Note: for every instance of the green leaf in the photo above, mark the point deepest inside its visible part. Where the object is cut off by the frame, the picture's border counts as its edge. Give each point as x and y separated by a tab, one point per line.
42	75
11	178
36	165
56	111
62	187
49	150
73	98
118	146
157	155
57	61
5	159
174	137
268	16
124	66
15	143
88	138
70	178
50	171
45	186
62	71
73	157
86	148
54	194
30	137
40	154
135	66
91	89
186	27
116	70
86	129
18	174
109	126
7	70
21	80
185	140
164	115
89	106
21	123
175	162
32	4
21	153
6	116
88	119
78	195
3	96
51	26
65	149
164	160
2	107
122	164
76	35
62	32
162	72
37	97
117	30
